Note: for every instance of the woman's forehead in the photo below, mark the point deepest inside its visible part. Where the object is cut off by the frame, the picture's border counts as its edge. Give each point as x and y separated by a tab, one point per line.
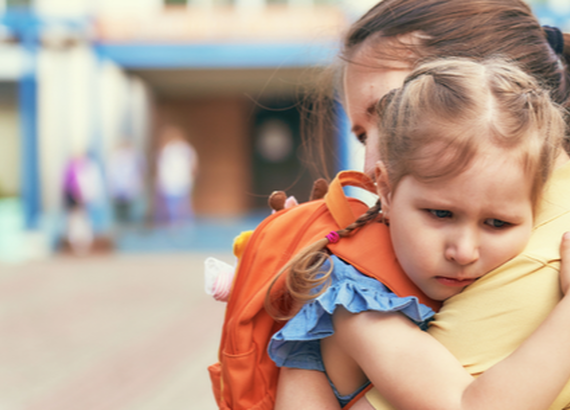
365	85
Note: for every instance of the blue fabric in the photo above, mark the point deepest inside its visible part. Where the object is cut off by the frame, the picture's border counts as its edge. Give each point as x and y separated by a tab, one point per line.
297	344
344	400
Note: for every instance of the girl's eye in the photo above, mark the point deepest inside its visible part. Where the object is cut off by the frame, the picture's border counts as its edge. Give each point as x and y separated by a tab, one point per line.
440	213
496	223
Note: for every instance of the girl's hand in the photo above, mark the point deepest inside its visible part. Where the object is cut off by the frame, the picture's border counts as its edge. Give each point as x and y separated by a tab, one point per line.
565	263
304	389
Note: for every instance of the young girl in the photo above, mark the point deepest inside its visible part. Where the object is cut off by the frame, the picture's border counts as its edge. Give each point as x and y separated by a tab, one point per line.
465	151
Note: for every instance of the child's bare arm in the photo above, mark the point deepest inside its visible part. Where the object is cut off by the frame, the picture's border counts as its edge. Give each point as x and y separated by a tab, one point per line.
304	389
412	370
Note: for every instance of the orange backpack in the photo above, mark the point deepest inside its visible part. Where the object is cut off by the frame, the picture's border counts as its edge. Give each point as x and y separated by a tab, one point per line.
245	377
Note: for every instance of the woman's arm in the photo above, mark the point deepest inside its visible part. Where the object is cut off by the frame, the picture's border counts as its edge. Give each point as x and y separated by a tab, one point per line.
304	389
414	371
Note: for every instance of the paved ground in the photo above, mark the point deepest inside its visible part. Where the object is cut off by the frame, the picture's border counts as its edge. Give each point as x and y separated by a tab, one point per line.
123	332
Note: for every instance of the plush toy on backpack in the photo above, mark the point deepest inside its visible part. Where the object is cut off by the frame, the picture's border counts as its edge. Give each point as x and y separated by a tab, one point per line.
219	275
245	376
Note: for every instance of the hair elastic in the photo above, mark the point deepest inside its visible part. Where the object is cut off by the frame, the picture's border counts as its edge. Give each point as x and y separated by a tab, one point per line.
555	38
333	237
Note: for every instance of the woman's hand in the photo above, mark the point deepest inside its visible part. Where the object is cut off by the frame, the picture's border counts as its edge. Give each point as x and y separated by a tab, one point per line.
565	263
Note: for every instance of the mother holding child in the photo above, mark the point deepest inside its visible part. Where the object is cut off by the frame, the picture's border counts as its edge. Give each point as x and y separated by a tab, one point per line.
474	181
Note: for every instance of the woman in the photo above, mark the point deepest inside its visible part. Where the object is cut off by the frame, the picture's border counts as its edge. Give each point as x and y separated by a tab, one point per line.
480	326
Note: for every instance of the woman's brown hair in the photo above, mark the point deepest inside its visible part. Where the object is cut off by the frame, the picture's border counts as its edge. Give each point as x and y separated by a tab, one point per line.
476	29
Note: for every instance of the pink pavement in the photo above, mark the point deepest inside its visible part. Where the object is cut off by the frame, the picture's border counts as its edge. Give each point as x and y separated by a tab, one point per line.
117	332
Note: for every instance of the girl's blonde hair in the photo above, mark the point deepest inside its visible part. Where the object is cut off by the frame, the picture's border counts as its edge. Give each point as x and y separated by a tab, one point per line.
443	117
450	110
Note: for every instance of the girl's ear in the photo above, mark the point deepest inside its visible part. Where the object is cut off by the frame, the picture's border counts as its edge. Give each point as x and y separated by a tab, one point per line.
384	188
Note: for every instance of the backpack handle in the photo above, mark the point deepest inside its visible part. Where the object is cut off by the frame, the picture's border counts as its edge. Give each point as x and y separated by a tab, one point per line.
336	200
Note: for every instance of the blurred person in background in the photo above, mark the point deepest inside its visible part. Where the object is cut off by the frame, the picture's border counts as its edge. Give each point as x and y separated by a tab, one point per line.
82	187
176	167
125	174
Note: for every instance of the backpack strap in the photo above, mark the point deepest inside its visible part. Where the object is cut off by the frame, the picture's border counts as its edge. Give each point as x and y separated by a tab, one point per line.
336	200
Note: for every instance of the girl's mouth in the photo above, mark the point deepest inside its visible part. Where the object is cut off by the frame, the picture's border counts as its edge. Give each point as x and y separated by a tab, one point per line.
454	282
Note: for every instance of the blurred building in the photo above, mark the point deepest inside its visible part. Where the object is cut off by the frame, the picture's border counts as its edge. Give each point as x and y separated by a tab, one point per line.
81	76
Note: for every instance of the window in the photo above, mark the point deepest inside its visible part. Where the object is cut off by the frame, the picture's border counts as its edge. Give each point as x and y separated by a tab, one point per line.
223	2
175	2
18	4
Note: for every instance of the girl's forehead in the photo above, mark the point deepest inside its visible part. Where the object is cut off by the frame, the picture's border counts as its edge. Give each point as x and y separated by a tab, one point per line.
493	173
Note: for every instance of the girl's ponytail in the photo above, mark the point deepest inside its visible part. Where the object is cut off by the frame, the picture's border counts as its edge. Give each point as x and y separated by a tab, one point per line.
304	280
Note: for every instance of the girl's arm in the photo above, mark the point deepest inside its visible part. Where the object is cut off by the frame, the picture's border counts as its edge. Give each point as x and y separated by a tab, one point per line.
414	371
304	389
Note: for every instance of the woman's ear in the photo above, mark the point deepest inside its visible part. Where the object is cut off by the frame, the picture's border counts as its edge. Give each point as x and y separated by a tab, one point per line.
384	188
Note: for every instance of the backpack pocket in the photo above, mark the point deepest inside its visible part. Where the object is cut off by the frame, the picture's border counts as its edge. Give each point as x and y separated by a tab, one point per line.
215	371
249	390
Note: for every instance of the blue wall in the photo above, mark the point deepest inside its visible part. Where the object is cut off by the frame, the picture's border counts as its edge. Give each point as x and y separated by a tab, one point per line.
216	56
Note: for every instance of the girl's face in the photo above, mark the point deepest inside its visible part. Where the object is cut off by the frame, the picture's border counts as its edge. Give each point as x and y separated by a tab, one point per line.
449	232
365	83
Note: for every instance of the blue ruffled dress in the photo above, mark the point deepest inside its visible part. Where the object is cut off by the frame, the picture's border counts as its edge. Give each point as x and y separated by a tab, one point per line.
297	344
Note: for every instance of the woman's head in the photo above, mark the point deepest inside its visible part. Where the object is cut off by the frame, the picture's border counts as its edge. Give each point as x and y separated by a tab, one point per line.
466	148
396	35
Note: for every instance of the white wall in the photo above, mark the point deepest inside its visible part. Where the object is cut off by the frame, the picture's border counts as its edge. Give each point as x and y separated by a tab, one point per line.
52	132
66	114
12	57
9	148
88	7
128	6
112	100
80	8
140	113
560	6
63	8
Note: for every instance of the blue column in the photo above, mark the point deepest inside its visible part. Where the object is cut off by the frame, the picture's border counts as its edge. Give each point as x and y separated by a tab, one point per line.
101	213
28	119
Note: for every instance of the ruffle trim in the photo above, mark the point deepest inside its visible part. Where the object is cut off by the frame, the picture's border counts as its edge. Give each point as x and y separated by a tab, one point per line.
351	290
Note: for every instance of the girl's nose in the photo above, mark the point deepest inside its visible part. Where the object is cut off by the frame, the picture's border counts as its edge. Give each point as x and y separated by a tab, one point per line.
464	249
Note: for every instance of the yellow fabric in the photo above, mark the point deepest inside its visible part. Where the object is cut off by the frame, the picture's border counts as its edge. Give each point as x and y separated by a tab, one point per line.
489	319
